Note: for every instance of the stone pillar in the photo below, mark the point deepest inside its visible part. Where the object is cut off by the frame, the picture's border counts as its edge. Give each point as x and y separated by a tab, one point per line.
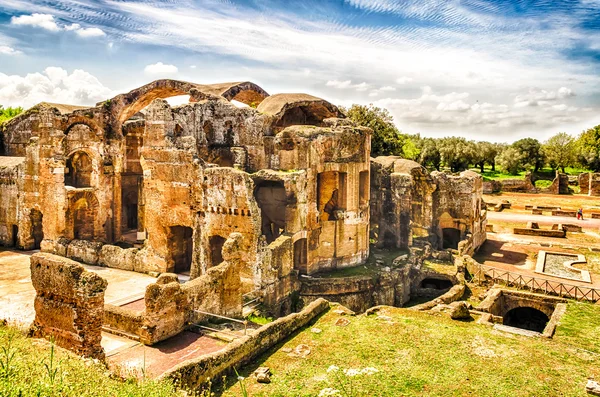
69	304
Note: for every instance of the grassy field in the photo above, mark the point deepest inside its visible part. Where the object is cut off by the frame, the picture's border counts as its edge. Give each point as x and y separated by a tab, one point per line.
30	367
400	353
410	353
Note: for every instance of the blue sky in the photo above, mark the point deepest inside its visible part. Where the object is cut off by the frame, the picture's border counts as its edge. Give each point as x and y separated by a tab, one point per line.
493	70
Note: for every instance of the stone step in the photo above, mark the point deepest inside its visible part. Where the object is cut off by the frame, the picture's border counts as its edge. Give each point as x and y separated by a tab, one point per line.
119	332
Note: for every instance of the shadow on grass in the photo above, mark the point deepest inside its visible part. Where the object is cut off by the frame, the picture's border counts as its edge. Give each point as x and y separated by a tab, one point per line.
245	370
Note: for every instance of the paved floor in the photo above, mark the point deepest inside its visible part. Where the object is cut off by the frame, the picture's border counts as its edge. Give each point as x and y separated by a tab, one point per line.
17	293
133	359
512	255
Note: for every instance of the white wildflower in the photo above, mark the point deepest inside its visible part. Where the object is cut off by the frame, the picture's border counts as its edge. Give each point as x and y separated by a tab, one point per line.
333	368
329	391
369	371
352	372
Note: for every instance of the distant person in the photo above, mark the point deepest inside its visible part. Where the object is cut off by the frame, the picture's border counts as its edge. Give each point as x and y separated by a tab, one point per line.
580	214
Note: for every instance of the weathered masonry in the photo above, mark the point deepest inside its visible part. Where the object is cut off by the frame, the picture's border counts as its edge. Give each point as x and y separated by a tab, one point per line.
137	184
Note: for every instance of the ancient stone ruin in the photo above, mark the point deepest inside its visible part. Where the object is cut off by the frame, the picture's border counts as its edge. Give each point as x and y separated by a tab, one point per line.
237	191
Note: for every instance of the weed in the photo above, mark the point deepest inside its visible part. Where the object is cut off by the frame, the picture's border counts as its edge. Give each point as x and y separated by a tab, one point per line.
7	355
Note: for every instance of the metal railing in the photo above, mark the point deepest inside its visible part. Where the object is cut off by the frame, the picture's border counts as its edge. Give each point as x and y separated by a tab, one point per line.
244	322
480	272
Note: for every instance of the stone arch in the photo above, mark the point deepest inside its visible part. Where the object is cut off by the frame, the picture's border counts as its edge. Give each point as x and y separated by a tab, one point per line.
80	120
297	109
82	215
526	317
79	168
245	92
126	105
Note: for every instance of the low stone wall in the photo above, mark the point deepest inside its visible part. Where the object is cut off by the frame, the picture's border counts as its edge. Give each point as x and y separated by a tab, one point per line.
567	227
539	232
122	319
490	187
595	215
193	373
69	304
359	293
524	185
564	213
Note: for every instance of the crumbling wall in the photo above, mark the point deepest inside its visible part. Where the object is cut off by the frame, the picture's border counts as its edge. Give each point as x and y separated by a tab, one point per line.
589	183
458	207
401	202
560	184
69	304
525	185
170	307
11	181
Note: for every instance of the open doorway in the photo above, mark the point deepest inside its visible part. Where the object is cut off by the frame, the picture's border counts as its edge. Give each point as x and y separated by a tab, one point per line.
451	237
180	246
300	255
216	247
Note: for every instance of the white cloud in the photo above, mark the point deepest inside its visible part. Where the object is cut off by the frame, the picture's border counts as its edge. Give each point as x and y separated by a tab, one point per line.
387	88
161	68
193	67
90	32
47	21
404	80
6	50
44	21
348	84
540	97
53	85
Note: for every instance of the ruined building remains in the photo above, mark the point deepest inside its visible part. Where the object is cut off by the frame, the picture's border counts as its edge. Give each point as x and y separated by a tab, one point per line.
137	184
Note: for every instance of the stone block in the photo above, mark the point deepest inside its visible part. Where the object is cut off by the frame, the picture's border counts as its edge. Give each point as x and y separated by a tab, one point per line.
84	251
69	304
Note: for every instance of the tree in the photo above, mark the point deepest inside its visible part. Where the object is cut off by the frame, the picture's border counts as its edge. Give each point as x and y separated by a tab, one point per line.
429	153
386	139
588	148
9	112
531	153
456	152
510	160
560	151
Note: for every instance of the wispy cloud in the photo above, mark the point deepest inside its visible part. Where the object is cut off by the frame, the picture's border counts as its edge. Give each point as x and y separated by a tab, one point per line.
479	58
48	22
6	50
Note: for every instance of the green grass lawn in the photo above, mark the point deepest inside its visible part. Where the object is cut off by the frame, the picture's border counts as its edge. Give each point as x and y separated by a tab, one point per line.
27	369
420	354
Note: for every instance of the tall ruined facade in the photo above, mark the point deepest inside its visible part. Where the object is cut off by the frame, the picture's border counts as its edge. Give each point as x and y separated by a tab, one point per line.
411	206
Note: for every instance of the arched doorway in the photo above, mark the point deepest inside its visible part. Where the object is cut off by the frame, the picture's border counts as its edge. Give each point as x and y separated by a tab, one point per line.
272	201
83	220
526	318
79	170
